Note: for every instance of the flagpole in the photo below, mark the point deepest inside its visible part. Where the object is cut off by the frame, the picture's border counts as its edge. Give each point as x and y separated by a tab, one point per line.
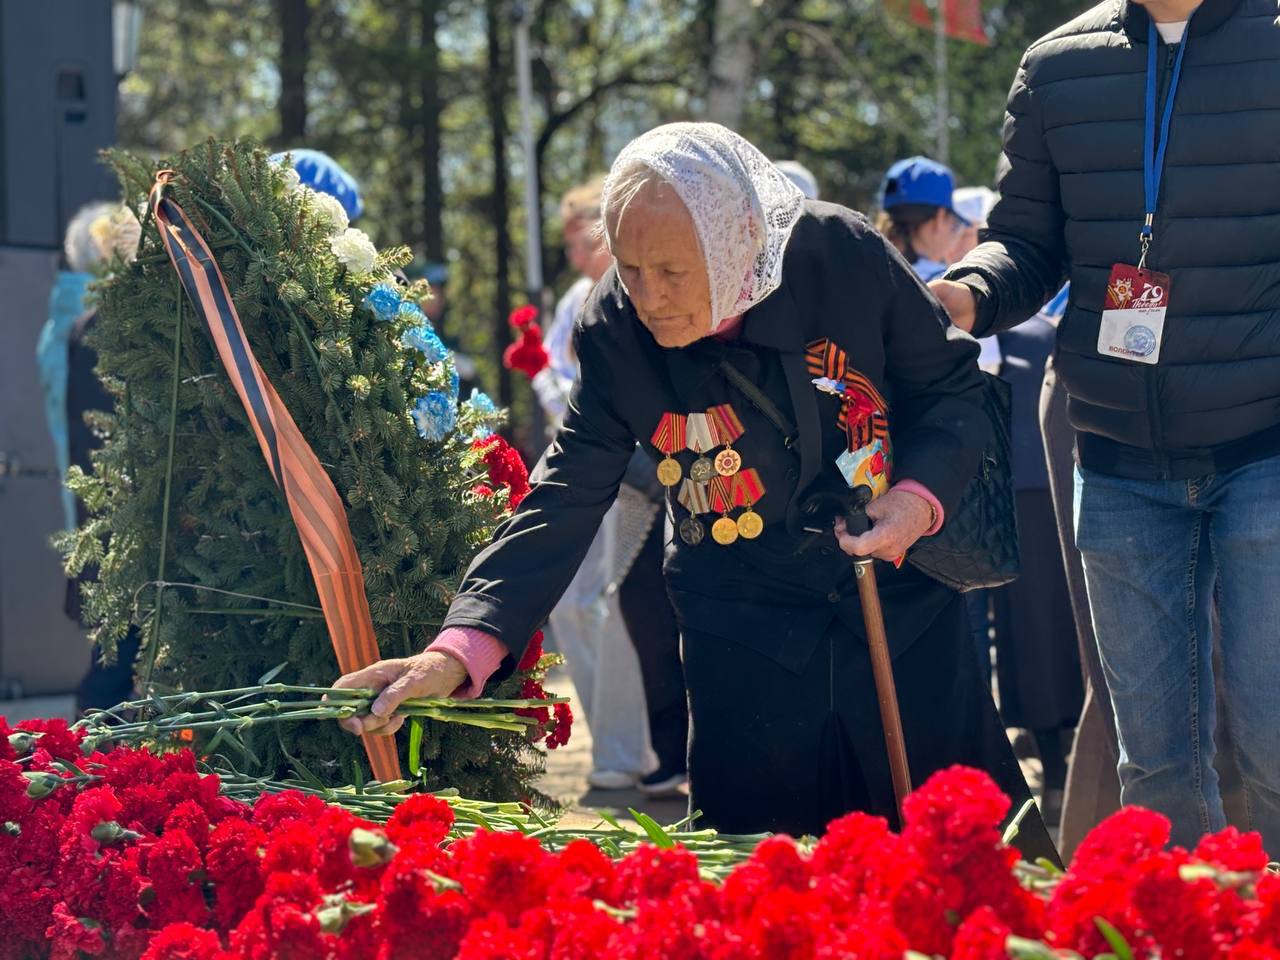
943	95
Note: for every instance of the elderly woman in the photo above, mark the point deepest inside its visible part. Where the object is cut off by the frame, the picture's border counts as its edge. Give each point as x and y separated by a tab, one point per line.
766	350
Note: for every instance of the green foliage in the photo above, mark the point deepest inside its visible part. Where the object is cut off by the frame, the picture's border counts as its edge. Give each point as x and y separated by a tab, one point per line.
235	595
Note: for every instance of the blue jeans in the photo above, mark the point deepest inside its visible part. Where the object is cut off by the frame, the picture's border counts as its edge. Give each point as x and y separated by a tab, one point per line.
1157	554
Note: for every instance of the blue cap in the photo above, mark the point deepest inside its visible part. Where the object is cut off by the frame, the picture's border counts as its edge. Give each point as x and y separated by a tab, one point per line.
321	172
919	180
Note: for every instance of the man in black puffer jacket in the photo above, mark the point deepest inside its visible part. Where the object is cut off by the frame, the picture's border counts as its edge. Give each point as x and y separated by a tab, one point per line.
1178	422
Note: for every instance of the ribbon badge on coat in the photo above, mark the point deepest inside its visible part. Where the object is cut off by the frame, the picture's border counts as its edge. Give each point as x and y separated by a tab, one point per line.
864	414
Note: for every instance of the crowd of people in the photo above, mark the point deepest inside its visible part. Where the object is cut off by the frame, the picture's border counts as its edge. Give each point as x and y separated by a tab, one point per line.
735	356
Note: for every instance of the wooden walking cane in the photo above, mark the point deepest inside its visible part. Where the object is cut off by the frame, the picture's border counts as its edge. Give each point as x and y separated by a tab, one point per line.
881	663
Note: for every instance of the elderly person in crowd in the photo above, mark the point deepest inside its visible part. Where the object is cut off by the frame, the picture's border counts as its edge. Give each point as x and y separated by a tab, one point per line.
730	295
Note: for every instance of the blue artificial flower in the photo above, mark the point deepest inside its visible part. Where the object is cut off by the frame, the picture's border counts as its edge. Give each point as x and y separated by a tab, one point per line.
455	383
486	408
426	341
413	312
384	301
481	403
435	415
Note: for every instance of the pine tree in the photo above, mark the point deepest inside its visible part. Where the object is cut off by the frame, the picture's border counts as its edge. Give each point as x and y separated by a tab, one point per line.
193	542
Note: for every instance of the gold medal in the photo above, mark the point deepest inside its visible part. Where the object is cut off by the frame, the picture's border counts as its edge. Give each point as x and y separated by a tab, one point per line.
668	472
702	470
724	531
728	462
750	525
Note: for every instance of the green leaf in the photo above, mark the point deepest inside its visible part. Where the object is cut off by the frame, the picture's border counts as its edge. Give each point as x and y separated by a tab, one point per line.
1115	938
609	818
415	746
272	673
654	831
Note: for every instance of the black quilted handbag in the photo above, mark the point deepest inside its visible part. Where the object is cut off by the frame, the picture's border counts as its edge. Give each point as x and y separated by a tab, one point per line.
978	544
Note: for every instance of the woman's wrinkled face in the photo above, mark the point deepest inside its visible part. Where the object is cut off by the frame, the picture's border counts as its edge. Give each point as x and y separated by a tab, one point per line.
661	266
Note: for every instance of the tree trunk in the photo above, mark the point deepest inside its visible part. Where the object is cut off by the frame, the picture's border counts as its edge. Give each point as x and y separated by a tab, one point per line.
430	106
294	18
407	118
500	214
731	62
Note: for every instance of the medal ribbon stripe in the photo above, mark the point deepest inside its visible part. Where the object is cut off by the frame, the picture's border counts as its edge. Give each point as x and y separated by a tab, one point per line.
668	436
726	426
317	509
694	497
721	496
747	488
699	436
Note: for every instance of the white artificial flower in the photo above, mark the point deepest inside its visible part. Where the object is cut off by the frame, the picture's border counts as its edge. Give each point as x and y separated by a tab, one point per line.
354	250
328	210
291	179
117	232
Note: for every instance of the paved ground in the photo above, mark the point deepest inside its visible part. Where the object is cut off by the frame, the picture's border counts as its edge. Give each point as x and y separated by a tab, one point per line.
568	766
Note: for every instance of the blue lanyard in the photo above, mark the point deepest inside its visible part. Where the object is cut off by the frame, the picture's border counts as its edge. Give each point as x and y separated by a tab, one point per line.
1153	151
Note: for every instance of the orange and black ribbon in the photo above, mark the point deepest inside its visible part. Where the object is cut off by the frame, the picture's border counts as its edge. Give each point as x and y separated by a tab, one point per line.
317	510
869	421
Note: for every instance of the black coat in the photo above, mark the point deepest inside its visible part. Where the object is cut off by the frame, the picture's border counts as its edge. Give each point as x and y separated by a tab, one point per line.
1072	201
785	731
779	593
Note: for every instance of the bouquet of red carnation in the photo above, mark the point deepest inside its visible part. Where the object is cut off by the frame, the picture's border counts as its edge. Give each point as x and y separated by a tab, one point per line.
506	469
527	354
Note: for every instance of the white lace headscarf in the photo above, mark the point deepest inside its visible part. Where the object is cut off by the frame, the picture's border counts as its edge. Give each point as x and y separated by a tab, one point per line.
743	207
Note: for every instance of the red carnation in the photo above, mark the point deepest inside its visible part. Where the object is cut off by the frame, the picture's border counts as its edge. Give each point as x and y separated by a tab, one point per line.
1232	850
70	938
234	863
491	938
6	750
586	872
174	867
532	653
506	468
527	354
559	734
422	819
185	941
521	317
859	407
651	873
56	738
982	936
503	872
275	809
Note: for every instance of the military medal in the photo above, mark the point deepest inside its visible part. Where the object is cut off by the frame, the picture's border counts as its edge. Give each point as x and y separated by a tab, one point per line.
746	491
692	531
695	498
668	438
700	439
725	530
727	428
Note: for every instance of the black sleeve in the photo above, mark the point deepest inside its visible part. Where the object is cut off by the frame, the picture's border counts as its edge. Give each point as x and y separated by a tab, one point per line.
1021	262
512	585
937	422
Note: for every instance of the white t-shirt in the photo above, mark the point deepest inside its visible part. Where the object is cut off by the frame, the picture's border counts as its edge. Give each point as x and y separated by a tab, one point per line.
1172	31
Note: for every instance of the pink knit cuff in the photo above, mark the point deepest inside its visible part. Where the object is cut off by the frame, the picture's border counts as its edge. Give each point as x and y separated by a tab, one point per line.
476	650
920	490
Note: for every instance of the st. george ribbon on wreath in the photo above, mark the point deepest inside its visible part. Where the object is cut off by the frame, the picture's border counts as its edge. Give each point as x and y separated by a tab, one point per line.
317	510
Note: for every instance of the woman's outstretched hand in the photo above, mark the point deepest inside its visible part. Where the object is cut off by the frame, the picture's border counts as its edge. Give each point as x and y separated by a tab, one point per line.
899	519
395	681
